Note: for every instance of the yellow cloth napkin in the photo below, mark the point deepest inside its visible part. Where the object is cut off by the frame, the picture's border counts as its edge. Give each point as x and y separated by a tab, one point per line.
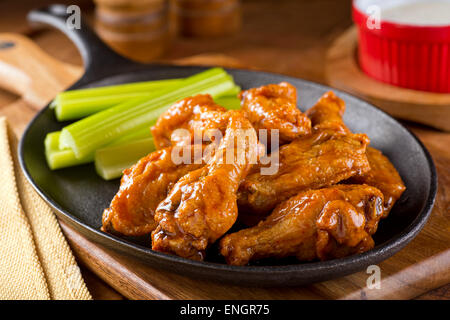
35	260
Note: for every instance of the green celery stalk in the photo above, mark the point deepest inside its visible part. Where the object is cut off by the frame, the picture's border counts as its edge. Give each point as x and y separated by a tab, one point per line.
233	91
57	158
98	130
76	104
139	134
62	158
229	102
111	161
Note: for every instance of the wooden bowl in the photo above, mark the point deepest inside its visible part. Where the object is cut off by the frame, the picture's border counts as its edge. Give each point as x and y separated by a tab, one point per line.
128	4
150	19
136	29
207	18
142	46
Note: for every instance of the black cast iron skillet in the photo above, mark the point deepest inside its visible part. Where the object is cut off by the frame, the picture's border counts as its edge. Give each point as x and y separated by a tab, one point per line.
79	196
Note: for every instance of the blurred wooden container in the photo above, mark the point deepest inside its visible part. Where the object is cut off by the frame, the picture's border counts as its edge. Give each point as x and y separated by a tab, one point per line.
138	29
207	18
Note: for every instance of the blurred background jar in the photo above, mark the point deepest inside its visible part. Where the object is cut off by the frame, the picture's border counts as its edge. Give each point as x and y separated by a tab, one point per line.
138	29
207	18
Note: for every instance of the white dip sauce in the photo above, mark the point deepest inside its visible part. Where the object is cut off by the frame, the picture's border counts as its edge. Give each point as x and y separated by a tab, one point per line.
431	13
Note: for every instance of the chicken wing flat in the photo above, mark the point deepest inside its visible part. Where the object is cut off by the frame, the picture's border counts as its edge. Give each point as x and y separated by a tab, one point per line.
201	207
319	160
383	176
274	106
195	114
327	223
142	188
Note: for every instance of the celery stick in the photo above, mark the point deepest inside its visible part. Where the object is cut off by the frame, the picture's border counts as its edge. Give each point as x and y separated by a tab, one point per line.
118	88
76	104
98	130
229	102
111	161
233	91
137	135
57	158
61	158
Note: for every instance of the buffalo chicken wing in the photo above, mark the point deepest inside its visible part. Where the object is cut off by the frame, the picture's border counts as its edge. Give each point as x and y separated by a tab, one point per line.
274	106
202	205
327	114
318	161
327	223
142	188
196	115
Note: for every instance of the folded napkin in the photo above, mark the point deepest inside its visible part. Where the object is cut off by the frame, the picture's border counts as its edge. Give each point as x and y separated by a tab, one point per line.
35	260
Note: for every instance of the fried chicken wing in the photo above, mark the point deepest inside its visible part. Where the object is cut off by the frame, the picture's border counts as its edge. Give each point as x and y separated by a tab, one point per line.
327	114
195	114
327	223
330	154
201	207
383	176
274	106
142	188
317	161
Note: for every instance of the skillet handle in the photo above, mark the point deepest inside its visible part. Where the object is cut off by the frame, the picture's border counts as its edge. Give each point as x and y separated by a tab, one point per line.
99	60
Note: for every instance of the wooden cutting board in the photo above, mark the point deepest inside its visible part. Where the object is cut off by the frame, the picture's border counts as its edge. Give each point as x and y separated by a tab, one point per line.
422	266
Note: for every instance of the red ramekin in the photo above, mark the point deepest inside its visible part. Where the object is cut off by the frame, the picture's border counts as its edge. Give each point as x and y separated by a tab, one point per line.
410	56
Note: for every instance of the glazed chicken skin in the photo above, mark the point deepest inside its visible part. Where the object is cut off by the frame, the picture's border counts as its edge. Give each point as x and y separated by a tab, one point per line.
383	176
319	161
274	106
142	188
327	156
317	224
196	114
326	114
201	207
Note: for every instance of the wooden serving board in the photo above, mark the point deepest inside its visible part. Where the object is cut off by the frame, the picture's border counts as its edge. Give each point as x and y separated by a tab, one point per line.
422	266
343	72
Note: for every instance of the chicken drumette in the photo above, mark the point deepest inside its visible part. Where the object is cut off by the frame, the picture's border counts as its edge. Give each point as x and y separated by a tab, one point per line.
201	207
327	223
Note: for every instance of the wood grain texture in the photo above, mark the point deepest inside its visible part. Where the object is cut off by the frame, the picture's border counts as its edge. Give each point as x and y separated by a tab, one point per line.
296	46
29	72
343	72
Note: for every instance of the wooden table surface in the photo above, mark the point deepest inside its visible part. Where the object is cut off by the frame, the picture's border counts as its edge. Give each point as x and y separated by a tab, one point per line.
289	37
